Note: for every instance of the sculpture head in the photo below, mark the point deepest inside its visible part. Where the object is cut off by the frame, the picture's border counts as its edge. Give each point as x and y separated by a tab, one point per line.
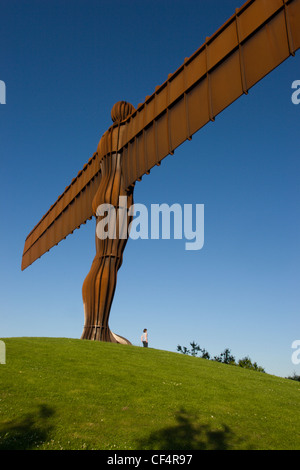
121	110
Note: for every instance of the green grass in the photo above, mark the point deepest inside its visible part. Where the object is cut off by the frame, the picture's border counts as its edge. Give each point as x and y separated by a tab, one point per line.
73	394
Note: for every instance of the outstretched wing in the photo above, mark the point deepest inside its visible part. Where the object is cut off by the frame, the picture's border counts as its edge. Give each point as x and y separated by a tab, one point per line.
255	40
71	209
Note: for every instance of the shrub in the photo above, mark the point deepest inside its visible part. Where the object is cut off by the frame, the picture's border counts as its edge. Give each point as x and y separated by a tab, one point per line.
246	363
194	351
294	377
225	357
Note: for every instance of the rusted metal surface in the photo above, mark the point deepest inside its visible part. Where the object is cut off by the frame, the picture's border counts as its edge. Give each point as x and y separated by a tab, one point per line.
255	40
99	285
72	208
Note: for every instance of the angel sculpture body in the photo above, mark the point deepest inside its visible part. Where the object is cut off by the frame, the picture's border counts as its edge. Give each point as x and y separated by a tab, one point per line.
256	39
99	285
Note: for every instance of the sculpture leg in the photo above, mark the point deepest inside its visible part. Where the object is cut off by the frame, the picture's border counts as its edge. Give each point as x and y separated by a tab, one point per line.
98	292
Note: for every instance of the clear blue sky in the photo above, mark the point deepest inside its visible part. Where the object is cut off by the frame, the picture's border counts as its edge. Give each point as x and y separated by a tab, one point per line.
65	63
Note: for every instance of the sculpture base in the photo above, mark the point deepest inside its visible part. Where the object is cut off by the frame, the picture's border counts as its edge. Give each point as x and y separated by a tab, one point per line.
100	333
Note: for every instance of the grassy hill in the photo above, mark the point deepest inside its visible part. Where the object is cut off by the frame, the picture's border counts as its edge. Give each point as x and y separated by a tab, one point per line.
73	394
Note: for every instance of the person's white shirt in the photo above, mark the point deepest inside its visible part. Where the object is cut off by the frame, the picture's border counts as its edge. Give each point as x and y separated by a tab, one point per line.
144	336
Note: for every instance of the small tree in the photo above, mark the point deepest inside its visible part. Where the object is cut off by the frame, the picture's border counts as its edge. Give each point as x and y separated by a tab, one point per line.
225	357
246	363
183	350
294	377
205	354
195	349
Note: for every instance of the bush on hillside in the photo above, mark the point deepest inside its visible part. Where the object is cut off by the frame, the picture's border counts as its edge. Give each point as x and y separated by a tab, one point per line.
294	377
246	363
225	357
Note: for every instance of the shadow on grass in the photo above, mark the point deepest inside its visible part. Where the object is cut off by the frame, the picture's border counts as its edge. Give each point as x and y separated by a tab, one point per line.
188	434
27	432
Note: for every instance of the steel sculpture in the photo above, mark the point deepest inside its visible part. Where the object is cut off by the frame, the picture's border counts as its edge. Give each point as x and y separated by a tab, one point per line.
254	41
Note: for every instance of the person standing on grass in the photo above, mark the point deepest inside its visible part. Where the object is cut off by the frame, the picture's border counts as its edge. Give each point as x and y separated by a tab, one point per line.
144	338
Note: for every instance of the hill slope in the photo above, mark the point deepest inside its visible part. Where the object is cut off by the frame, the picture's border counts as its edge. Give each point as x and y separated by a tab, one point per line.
73	394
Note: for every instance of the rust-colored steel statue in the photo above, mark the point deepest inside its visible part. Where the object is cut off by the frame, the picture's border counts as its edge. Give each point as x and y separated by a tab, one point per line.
99	285
254	41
